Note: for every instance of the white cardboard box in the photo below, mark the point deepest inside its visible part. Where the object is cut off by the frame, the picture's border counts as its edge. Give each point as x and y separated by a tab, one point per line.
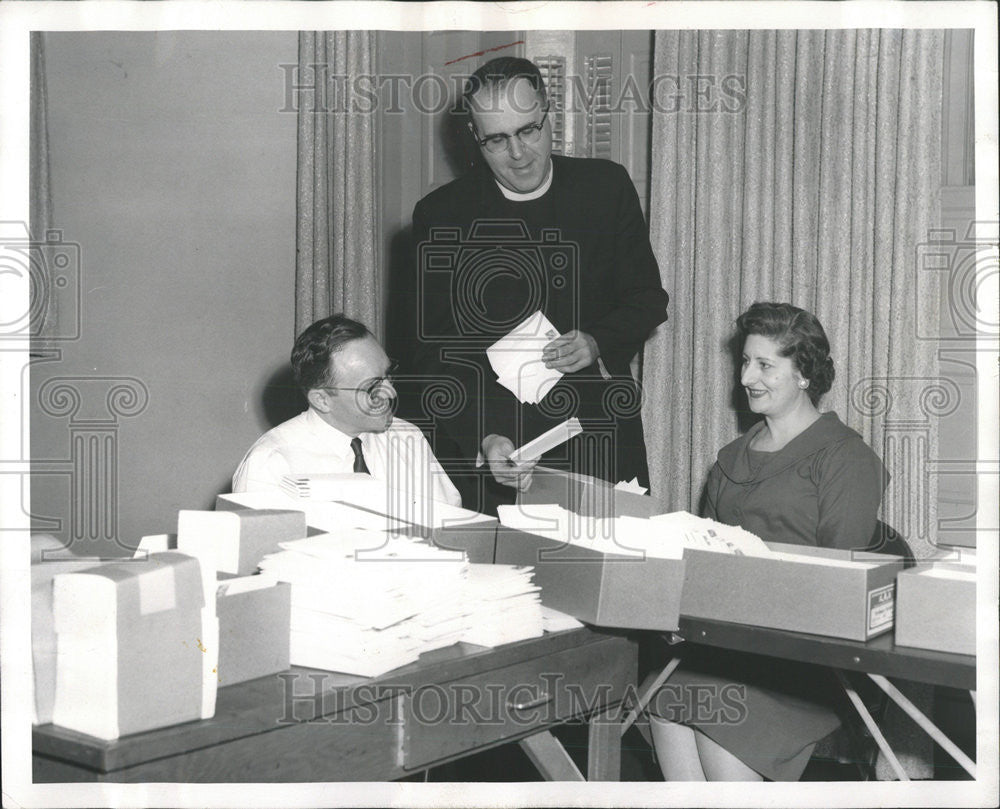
937	608
254	629
604	589
852	598
235	541
132	644
584	495
475	536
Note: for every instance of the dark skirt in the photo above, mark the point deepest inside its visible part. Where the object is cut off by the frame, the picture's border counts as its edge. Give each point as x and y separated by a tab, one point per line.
768	713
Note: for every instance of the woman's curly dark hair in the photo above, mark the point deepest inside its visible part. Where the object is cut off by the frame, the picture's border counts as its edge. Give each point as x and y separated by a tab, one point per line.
800	336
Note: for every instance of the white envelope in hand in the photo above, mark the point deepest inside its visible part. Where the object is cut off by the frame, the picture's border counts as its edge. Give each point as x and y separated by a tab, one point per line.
517	359
532	384
550	439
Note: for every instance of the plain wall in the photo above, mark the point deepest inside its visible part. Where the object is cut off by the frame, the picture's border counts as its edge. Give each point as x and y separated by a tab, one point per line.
173	167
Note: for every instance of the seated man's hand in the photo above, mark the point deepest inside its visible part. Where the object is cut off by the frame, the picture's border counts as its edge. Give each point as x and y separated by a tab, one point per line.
497	450
571	352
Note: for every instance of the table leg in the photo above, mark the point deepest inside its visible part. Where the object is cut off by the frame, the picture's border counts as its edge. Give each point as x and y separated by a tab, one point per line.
928	727
645	698
604	747
872	726
550	757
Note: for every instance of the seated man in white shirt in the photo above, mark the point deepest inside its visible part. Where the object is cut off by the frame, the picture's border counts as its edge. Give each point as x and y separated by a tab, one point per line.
349	425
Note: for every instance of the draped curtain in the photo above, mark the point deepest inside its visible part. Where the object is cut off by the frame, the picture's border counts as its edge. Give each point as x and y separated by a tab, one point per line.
44	313
337	257
814	181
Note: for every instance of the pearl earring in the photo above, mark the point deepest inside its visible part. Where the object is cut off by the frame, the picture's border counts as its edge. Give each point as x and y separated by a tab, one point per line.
804	384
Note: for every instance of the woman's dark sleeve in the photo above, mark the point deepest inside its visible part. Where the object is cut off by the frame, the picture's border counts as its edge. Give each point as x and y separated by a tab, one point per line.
711	505
851	480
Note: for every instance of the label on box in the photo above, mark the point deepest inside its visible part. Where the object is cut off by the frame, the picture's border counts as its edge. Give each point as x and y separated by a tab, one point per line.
881	601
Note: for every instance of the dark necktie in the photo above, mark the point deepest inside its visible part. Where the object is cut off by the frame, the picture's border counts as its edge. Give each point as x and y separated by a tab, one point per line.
359	457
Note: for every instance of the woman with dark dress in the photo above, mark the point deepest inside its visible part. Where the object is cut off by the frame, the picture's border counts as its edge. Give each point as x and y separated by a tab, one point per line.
797	476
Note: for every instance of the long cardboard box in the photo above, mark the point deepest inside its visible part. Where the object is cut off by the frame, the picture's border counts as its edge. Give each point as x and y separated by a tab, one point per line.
844	594
584	495
478	540
937	608
472	533
603	589
235	541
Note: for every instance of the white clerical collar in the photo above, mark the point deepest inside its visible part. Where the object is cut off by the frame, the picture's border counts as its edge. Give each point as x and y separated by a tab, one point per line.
517	196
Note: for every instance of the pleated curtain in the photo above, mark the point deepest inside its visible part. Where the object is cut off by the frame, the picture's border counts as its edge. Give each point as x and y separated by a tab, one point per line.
44	310
817	188
337	257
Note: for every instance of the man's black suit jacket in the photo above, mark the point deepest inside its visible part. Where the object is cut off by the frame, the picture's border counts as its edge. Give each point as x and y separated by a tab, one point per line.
581	254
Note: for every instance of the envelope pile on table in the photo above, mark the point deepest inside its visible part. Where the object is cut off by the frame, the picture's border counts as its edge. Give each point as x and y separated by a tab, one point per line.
365	602
663	536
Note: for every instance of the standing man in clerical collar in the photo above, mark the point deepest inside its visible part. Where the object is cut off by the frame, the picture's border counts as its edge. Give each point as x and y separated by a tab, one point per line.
531	231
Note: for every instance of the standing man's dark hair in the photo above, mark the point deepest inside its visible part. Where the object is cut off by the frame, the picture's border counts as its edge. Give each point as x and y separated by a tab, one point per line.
500	71
314	347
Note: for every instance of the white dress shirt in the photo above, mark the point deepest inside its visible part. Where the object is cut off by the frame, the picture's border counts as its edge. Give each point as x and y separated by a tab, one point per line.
307	445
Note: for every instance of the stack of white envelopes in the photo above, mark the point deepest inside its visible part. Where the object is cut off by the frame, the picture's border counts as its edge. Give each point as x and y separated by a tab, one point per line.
396	506
365	602
662	536
505	605
330	486
496	604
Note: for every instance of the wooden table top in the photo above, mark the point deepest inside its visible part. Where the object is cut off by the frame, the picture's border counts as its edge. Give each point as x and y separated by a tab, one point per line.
260	705
880	655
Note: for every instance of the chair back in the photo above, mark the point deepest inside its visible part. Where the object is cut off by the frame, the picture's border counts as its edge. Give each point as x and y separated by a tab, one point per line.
887	539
